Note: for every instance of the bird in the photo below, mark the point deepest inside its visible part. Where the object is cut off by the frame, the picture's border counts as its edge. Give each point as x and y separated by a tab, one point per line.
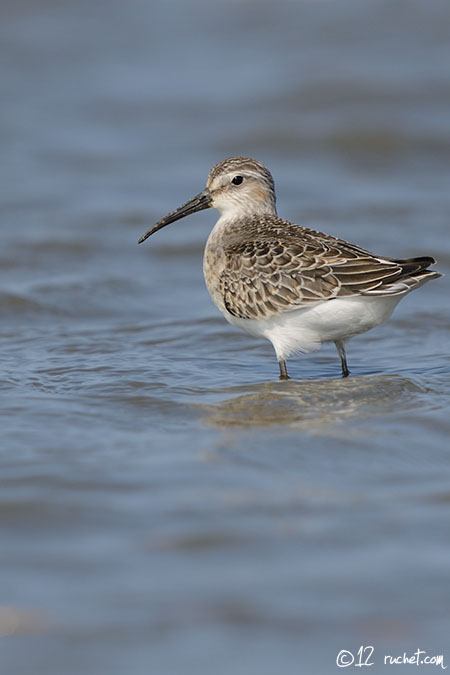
294	286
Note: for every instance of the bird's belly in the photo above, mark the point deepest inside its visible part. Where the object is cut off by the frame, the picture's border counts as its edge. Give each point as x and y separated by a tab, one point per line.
341	318
304	330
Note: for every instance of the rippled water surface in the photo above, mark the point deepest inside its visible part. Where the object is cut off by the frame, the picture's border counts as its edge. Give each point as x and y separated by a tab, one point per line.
167	505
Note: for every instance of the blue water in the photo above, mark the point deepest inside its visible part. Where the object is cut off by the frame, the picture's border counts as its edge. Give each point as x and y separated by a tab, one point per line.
167	505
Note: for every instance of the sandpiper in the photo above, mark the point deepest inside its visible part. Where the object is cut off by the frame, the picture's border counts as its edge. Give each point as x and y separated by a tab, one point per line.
291	285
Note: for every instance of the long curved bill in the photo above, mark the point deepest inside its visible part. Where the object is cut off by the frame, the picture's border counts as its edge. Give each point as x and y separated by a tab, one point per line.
197	203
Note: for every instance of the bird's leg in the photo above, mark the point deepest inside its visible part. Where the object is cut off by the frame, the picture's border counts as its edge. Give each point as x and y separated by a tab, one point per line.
341	352
283	370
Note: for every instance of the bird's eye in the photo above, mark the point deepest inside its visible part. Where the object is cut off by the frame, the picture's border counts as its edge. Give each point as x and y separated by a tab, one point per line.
237	180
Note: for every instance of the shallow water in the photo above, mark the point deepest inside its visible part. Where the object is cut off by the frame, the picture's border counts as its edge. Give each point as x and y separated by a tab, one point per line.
166	504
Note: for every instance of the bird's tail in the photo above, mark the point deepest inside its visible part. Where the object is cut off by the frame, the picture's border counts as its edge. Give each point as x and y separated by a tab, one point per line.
415	271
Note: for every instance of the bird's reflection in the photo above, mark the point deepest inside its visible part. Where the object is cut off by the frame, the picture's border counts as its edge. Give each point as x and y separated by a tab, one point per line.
318	406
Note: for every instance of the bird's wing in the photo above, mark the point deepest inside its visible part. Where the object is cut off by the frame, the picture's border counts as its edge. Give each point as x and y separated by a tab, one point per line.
264	277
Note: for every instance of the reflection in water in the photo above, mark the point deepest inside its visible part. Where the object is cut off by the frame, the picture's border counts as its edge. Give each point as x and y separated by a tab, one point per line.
318	406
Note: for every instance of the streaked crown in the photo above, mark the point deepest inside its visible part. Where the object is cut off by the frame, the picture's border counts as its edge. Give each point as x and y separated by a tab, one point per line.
241	186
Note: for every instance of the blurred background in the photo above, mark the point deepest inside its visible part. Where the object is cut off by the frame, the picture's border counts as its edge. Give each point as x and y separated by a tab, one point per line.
166	505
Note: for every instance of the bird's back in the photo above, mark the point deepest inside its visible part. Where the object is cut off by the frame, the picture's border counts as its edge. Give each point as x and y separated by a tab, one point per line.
262	265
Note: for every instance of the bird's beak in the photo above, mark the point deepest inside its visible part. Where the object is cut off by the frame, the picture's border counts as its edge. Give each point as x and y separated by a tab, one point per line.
198	203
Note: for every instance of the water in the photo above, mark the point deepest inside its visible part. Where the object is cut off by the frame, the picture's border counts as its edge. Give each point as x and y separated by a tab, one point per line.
166	505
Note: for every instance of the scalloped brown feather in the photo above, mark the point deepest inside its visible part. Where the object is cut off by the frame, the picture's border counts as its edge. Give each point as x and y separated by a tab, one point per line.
273	266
